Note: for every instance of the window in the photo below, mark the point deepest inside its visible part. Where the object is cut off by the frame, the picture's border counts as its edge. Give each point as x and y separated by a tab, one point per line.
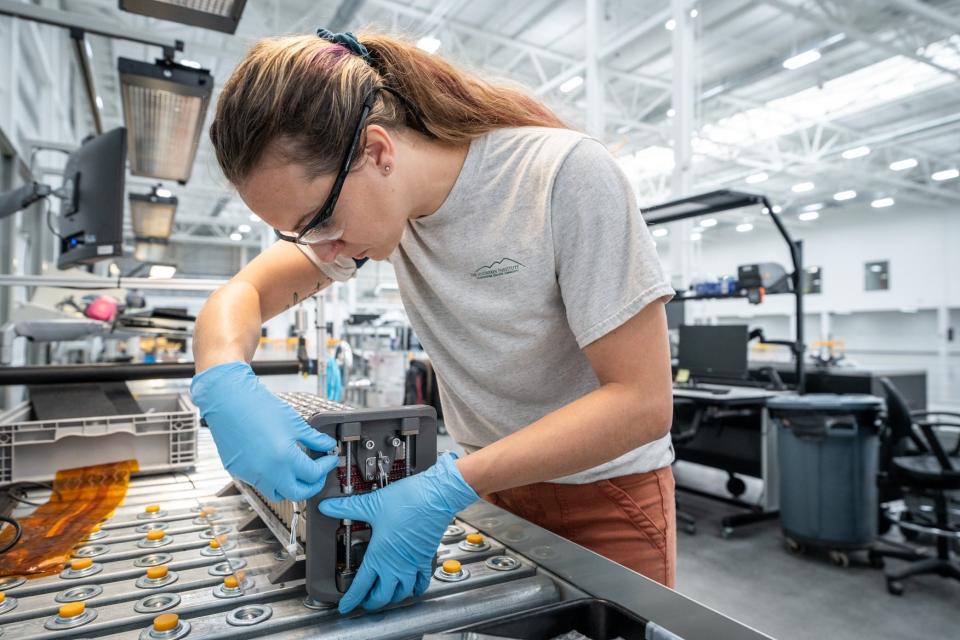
877	275
812	280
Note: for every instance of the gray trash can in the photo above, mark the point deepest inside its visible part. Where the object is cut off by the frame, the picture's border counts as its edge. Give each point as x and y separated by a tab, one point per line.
828	449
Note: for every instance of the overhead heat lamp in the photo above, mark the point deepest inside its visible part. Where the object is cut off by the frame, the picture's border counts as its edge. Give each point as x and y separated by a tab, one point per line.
152	214
218	15
164	105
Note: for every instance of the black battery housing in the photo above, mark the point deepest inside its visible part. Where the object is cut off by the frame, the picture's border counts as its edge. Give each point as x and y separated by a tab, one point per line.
371	434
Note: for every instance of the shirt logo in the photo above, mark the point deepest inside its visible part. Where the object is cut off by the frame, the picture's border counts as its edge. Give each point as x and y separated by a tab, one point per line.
501	267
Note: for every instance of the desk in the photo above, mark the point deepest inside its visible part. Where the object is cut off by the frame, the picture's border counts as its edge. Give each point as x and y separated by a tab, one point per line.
735	396
747	446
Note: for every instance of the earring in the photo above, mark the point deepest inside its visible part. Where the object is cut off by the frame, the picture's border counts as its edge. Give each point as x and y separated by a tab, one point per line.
387	168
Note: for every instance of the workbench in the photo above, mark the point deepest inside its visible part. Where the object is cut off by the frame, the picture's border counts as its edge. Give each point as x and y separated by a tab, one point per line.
200	506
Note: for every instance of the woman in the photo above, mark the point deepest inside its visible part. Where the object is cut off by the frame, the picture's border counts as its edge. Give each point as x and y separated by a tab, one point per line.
525	269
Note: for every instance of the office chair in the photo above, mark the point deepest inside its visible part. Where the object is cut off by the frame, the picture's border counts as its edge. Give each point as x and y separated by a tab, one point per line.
926	471
686	422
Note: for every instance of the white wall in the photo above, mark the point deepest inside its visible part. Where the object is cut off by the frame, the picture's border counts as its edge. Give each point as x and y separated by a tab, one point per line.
917	243
898	327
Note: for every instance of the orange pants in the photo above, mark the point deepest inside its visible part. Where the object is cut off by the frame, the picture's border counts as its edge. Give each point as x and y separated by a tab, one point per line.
630	519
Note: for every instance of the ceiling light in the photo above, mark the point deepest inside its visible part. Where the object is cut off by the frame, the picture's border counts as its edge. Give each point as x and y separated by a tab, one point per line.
712	91
694	13
840	196
254	217
816	206
162	270
222	15
808	215
660	233
882	203
856	152
151	250
99	102
152	216
571	84
670	24
429	44
622	130
801	59
164	105
802	187
696	236
946	174
743	228
903	165
777	208
709	222
244	228
152	213
235	236
671	112
893	90
757	178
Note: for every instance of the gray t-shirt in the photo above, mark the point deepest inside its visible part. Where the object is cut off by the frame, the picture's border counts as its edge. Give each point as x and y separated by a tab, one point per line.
538	250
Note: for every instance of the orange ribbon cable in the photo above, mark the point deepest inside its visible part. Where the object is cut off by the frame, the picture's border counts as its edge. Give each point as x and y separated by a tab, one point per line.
80	500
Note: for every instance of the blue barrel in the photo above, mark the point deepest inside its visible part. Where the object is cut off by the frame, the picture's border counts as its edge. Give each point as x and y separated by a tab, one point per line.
828	451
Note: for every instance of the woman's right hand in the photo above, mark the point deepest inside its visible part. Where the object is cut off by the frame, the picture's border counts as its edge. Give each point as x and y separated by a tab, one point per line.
258	434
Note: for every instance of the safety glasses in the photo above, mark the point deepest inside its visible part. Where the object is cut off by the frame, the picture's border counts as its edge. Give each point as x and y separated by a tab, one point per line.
319	228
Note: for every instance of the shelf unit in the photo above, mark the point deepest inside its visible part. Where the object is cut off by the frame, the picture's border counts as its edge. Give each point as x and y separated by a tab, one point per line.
729	200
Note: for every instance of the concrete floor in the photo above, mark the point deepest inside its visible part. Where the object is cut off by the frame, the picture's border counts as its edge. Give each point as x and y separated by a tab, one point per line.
752	578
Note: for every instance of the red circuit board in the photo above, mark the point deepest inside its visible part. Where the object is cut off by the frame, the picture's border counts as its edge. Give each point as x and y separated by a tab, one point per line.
398	471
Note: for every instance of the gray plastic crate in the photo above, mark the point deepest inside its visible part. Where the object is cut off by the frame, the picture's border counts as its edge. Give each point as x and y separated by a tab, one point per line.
162	438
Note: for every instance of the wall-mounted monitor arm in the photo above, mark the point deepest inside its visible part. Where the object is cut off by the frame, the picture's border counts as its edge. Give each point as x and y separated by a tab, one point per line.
18	199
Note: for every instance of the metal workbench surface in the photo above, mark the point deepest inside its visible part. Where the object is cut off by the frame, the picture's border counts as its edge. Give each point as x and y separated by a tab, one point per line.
602	578
547	569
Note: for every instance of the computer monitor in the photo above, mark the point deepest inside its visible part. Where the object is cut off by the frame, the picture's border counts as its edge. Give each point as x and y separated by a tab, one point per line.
91	212
716	351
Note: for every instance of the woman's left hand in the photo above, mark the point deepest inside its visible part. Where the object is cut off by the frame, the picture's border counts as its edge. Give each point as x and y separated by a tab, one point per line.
408	519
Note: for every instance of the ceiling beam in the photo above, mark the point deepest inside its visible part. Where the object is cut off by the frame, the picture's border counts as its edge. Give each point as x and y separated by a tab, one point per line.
654	21
791	163
902	132
932	15
470	30
855	32
85	23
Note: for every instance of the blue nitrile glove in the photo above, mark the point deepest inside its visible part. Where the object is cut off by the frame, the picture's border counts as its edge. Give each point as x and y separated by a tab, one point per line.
334	380
408	518
257	434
